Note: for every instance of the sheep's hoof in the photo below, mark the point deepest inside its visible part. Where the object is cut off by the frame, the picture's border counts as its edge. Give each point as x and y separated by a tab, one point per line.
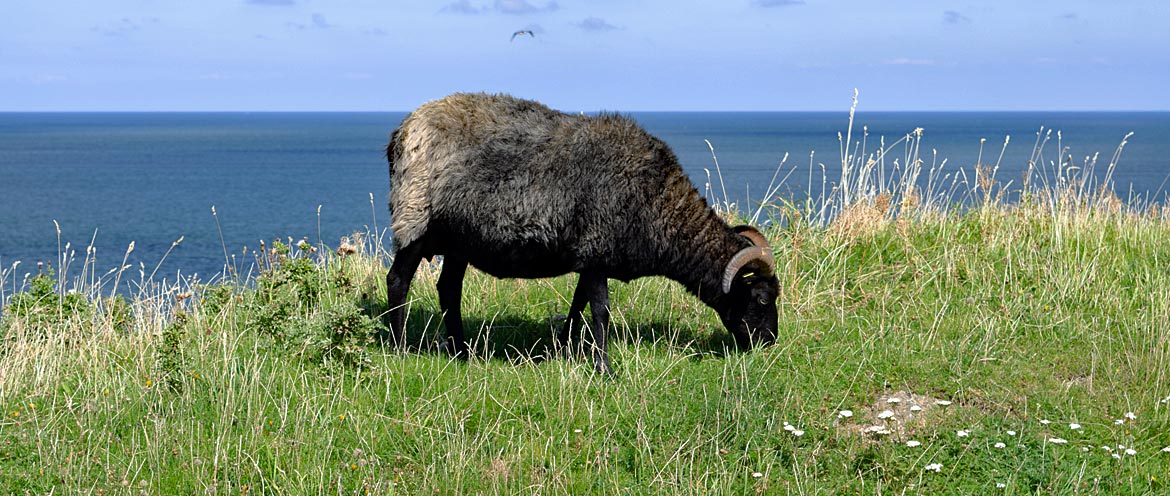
603	369
450	347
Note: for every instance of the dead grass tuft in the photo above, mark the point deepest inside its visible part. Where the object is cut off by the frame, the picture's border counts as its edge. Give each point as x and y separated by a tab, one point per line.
862	219
498	471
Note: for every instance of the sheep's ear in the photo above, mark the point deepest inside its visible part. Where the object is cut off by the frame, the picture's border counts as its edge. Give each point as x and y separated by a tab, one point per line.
758	259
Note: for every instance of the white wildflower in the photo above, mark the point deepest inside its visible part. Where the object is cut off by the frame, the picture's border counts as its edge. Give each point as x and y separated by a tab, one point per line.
1011	433
937	467
885	414
943	402
894	400
1166	449
1045	421
797	433
1000	485
915	408
962	433
1130	451
1074	426
845	414
757	475
1057	440
1131	415
1000	445
913	444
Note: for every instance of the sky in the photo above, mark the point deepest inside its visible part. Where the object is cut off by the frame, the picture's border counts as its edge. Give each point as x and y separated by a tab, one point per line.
625	55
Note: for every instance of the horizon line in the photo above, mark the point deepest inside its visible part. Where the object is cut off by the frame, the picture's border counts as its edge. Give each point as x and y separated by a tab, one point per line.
287	111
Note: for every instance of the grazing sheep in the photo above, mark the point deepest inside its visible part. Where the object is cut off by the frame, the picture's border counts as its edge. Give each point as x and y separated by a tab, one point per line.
517	189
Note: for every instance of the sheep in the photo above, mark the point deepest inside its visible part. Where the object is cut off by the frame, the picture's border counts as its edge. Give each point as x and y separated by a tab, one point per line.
519	190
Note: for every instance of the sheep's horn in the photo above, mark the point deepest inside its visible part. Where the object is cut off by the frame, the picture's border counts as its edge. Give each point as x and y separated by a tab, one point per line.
751	233
742	258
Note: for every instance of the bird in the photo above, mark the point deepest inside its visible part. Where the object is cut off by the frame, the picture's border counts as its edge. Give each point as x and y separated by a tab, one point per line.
522	31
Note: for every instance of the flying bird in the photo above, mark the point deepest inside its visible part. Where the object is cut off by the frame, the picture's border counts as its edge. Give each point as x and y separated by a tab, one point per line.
522	32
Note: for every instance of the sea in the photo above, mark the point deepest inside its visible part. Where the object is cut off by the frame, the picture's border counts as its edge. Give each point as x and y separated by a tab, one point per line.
223	182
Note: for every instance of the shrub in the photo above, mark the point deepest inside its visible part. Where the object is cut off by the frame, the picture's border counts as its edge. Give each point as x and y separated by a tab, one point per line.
340	336
170	353
44	306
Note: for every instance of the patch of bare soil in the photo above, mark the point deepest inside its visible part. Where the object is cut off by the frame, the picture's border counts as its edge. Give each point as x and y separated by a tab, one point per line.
898	416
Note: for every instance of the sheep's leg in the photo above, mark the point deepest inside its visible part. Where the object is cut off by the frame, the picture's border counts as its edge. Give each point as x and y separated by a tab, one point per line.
398	279
597	287
576	313
450	287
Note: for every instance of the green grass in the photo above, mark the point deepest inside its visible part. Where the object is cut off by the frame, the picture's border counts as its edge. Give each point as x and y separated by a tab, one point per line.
1010	313
1001	324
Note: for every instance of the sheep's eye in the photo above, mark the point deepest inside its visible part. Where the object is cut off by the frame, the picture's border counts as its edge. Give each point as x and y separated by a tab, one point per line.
763	301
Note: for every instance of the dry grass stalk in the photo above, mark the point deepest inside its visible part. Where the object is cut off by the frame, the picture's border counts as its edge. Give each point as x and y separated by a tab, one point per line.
862	218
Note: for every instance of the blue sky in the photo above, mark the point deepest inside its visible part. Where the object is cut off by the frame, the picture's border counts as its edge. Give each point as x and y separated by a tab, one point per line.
373	55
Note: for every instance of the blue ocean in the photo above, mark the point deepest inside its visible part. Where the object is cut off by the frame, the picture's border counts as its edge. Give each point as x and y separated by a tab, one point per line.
109	179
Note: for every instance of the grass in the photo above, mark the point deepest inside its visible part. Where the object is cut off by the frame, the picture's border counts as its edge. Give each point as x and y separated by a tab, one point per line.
984	331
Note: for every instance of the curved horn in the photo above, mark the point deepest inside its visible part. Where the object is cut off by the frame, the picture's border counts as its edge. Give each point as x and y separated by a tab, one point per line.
751	233
741	258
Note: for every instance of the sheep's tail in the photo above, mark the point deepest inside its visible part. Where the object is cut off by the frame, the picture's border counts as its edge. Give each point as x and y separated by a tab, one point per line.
409	184
394	149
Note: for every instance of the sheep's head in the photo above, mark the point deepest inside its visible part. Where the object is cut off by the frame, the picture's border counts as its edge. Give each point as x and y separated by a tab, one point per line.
750	287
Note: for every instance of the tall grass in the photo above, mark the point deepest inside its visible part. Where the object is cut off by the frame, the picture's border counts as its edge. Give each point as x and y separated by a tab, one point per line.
941	332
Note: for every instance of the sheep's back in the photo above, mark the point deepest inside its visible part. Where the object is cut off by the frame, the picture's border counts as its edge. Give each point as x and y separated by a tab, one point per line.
524	191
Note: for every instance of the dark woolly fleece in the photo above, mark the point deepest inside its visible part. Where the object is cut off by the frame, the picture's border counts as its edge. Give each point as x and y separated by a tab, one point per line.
517	189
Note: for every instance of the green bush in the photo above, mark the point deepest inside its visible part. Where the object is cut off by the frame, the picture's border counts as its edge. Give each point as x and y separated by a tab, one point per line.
170	353
341	335
44	306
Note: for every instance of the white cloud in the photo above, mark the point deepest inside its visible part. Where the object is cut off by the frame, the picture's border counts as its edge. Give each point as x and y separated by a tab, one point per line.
596	25
47	79
523	7
316	21
778	3
320	22
461	7
955	17
515	7
911	61
123	27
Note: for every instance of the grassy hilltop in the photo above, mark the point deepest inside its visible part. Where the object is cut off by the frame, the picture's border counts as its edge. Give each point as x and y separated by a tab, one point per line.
1010	347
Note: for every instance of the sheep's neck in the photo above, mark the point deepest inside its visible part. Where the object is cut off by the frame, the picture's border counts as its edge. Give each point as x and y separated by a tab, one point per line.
697	246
